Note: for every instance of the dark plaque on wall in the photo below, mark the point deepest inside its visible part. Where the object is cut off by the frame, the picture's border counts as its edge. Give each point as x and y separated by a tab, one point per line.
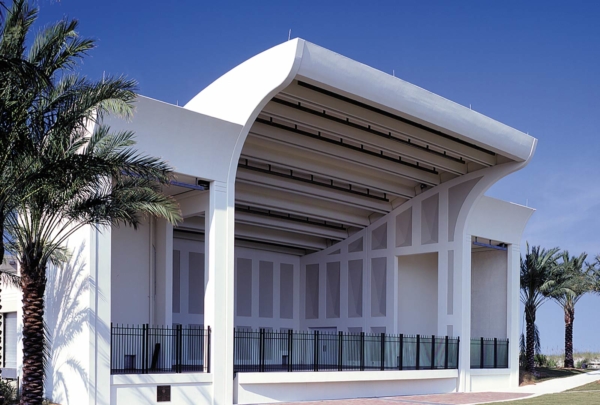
163	393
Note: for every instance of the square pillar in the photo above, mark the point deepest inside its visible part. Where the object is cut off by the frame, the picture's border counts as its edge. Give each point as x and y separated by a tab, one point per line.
100	316
462	270
163	311
219	293
512	311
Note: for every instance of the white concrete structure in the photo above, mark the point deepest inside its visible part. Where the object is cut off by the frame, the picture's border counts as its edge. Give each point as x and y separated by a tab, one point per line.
338	198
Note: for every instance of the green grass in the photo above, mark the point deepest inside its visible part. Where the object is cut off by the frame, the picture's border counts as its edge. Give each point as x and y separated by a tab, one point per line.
564	398
593	386
583	395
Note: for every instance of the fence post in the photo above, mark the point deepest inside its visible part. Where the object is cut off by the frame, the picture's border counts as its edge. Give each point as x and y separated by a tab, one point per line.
290	345
208	331
418	360
112	344
362	351
178	348
481	354
340	350
432	352
261	350
457	350
145	345
495	352
316	349
382	365
446	354
507	354
401	352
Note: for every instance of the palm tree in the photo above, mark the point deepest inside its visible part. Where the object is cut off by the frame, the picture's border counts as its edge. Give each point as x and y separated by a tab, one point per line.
68	176
535	277
570	280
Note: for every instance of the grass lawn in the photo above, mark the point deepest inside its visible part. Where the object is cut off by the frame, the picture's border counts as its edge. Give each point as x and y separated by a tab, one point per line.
545	373
593	386
564	398
585	395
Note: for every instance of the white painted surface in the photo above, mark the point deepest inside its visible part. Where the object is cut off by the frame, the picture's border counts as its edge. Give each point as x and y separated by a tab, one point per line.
254	388
131	274
489	294
418	294
208	148
490	380
193	388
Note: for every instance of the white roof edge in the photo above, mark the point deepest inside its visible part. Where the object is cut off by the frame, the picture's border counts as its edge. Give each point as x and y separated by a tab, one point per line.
239	95
525	207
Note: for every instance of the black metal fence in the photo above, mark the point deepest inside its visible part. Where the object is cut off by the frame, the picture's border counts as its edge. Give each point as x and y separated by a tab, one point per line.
489	353
152	349
266	350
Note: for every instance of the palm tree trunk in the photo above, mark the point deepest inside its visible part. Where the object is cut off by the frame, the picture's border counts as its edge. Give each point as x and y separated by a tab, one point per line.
569	318
33	337
530	350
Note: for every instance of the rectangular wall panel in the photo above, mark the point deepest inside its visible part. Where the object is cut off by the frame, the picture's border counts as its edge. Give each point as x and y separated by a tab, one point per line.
311	292
243	280
286	291
333	290
196	283
355	288
450	292
176	282
378	286
265	290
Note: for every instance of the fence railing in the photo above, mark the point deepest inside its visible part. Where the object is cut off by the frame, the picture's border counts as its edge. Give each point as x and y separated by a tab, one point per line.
489	353
266	350
151	349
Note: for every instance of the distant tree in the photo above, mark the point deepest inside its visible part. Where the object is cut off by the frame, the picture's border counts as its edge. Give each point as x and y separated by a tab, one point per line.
570	280
536	269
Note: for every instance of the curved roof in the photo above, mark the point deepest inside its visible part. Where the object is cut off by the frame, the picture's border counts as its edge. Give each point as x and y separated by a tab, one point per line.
329	145
241	93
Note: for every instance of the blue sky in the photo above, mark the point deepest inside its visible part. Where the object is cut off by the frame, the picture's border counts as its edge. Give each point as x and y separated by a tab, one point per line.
533	65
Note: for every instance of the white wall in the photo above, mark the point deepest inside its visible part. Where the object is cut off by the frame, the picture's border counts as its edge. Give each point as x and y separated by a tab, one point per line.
489	294
418	294
131	274
275	261
193	388
252	388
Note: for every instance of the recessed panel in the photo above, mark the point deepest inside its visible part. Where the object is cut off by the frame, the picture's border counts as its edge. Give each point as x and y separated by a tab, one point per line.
332	290
378	286
196	283
243	280
286	291
265	292
311	292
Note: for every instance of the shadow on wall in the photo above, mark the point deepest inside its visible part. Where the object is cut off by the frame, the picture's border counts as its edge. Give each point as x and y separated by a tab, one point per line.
66	318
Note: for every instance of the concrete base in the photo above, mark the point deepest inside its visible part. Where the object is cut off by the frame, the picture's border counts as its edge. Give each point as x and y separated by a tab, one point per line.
252	388
192	388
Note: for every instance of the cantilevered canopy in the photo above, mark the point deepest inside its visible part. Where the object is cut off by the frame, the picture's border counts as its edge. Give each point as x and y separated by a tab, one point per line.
330	145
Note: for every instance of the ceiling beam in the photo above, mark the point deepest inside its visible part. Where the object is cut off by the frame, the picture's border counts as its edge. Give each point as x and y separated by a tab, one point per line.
321	192
261	234
345	154
283	224
294	92
286	202
267	151
365	136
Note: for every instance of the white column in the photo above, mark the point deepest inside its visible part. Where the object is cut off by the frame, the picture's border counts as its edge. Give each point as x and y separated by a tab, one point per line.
512	311
100	318
462	270
218	312
163	311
